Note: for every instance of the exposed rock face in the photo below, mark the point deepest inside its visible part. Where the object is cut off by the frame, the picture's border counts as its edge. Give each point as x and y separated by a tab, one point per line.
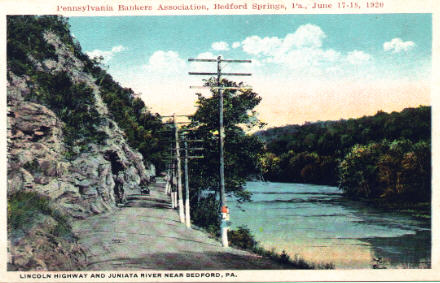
93	182
41	250
96	178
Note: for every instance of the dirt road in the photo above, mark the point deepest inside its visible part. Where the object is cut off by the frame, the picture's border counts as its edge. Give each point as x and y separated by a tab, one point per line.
147	234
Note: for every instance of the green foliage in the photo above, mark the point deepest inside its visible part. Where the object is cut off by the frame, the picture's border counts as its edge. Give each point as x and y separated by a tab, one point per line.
243	239
25	38
369	166
397	171
72	103
24	208
326	138
204	213
75	103
304	167
144	130
242	151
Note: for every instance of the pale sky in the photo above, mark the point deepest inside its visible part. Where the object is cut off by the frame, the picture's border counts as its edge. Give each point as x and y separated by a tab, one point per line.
305	67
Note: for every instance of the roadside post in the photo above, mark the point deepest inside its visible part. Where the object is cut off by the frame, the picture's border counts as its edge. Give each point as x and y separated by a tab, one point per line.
184	209
187	157
219	60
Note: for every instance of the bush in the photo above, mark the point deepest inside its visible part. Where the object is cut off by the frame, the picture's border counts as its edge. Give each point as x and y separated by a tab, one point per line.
25	207
242	238
205	213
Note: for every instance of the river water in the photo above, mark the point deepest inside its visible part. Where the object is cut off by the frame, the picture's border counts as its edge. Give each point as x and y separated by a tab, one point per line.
316	223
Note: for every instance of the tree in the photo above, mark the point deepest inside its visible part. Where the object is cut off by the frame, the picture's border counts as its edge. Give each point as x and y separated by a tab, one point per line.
242	151
358	172
398	171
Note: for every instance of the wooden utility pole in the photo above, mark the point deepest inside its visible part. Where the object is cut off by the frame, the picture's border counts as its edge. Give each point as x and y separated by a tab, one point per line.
173	185
186	169
179	172
224	225
184	210
187	208
169	173
224	208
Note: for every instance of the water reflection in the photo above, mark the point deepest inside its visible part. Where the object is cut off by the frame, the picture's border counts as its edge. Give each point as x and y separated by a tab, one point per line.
316	222
408	251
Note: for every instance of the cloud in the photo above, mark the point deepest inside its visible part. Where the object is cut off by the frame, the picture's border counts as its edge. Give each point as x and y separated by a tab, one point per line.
118	48
107	55
236	44
300	51
397	45
165	63
206	55
305	36
204	66
220	46
256	45
357	57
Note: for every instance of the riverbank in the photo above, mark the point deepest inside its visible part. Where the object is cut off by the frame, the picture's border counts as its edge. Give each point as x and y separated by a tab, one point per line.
421	210
319	224
147	234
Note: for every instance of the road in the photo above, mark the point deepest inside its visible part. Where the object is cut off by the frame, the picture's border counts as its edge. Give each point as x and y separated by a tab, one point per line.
146	234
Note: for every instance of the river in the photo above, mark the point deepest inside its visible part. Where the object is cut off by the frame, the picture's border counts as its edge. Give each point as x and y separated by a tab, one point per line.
316	223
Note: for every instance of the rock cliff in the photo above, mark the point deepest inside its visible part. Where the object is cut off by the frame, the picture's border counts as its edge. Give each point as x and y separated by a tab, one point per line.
76	180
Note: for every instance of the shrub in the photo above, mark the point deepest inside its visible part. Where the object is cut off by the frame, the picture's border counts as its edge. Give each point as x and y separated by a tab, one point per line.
25	207
242	238
204	213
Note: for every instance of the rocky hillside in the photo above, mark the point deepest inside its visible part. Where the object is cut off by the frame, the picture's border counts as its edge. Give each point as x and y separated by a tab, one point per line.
68	156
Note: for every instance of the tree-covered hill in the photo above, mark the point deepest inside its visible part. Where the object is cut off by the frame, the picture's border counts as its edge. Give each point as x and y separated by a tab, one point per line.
27	44
382	156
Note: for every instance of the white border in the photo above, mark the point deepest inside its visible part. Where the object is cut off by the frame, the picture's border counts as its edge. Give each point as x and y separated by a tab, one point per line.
10	7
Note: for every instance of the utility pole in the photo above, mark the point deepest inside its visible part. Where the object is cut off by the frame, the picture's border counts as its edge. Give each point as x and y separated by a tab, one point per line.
169	174
187	215
224	211
176	201
187	156
179	172
184	210
173	180
224	207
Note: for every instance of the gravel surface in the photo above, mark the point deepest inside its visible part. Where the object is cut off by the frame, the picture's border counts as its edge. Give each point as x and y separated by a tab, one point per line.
147	234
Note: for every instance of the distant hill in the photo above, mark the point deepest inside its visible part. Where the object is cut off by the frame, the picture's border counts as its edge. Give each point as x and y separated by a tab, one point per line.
387	155
392	129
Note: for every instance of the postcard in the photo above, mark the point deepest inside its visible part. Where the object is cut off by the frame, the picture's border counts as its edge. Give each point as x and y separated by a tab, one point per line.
219	141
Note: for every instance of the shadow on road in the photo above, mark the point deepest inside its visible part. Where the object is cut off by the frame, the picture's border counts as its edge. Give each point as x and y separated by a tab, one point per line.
146	201
137	203
189	261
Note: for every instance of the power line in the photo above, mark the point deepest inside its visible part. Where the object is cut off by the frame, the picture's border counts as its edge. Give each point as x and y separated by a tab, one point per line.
224	209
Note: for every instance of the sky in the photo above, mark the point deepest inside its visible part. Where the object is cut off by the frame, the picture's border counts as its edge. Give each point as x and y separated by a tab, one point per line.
305	67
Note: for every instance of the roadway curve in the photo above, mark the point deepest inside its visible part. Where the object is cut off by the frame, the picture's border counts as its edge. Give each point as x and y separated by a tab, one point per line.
146	234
